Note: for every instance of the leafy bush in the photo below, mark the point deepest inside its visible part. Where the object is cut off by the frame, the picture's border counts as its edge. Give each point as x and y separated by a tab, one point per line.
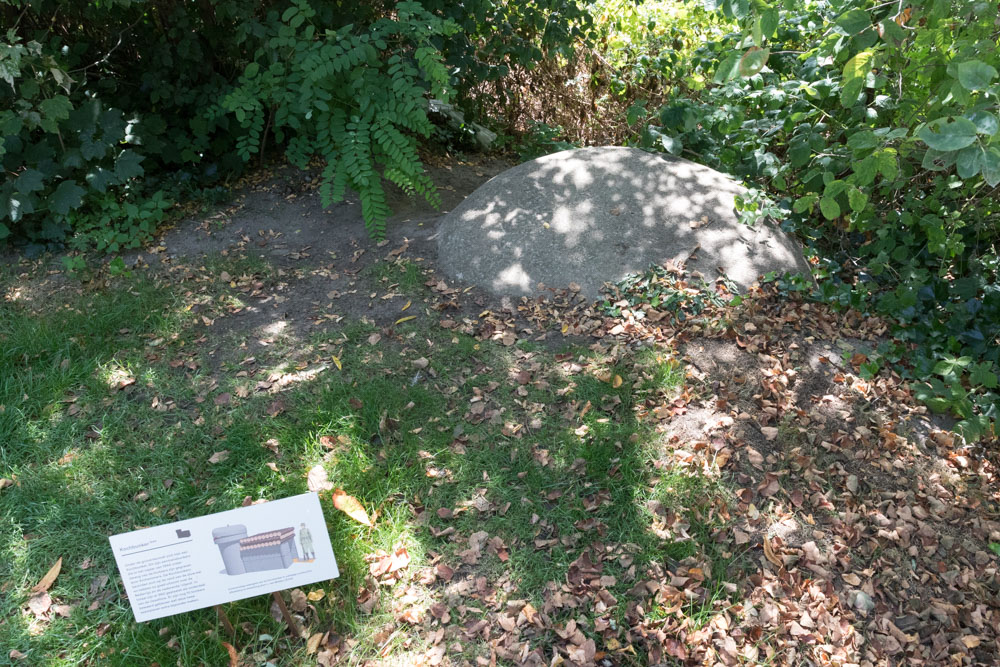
356	98
105	103
871	129
54	150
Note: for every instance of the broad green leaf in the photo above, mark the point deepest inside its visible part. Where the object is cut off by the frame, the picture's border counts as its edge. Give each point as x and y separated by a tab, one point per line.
862	140
4	231
855	71
66	197
769	22
729	68
948	135
56	107
100	178
127	165
753	61
803	204
985	122
251	70
991	166
672	145
829	207
970	161
857	200
854	21
976	75
866	170
30	180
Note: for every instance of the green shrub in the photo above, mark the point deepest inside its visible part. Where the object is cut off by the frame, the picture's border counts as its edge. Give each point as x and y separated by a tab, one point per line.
872	129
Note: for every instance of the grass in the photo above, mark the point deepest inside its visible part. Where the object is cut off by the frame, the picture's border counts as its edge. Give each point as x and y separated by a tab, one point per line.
89	460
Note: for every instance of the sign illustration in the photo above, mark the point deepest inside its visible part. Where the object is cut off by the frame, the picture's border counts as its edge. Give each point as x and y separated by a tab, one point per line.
226	556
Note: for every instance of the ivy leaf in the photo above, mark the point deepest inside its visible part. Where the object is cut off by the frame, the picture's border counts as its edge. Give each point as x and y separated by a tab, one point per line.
854	21
982	376
66	197
948	135
753	61
951	365
976	75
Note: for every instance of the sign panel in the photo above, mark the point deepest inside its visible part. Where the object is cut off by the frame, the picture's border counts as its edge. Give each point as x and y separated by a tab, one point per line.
226	556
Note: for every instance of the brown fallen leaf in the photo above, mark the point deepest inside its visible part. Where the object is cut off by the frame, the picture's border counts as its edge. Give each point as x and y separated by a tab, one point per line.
769	554
350	506
45	583
617	381
219	457
317	479
312	644
276	408
234	657
39	604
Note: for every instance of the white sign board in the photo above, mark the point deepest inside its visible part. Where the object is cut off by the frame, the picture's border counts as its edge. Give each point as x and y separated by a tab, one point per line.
225	556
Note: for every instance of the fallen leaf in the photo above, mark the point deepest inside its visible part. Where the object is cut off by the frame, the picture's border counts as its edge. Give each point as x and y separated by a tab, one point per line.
234	657
219	457
405	319
39	603
276	408
223	399
350	506
769	554
336	362
408	304
45	583
617	382
770	432
312	644
317	479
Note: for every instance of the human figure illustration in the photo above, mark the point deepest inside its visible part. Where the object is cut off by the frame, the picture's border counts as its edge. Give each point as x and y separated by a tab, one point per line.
306	541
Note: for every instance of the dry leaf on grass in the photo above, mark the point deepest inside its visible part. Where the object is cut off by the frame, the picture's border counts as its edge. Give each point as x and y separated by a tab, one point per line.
234	657
317	479
350	506
46	582
219	457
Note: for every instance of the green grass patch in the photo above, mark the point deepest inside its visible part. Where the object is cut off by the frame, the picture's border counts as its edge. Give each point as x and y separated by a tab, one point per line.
550	463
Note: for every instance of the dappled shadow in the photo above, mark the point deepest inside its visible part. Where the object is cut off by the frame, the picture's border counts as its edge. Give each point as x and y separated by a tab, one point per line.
597	214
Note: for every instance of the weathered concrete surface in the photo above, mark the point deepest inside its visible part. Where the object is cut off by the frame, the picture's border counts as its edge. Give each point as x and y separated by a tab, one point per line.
595	215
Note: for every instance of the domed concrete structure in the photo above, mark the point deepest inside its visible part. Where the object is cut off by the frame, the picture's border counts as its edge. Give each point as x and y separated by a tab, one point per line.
596	215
